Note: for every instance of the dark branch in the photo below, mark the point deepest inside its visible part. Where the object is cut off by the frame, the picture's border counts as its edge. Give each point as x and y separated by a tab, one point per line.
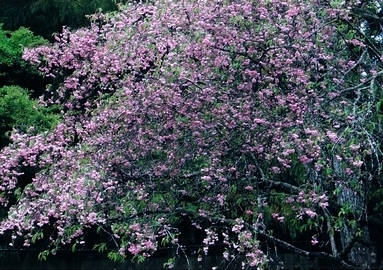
248	226
305	253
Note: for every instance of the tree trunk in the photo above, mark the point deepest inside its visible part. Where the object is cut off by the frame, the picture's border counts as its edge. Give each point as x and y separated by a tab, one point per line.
360	253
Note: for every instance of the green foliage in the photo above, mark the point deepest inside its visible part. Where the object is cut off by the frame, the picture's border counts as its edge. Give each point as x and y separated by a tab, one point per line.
115	256
46	17
170	263
74	247
13	69
18	111
43	255
12	43
379	111
37	236
100	247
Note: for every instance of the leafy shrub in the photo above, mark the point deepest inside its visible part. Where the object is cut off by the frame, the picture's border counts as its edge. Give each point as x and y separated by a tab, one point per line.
13	69
19	111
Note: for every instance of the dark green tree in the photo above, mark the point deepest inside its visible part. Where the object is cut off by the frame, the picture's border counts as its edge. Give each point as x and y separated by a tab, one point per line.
45	17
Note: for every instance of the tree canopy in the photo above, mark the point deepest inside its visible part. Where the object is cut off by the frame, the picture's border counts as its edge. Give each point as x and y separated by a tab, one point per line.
45	17
18	111
13	69
245	117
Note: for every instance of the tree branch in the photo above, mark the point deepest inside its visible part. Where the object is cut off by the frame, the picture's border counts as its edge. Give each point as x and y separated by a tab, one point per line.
305	253
248	226
284	185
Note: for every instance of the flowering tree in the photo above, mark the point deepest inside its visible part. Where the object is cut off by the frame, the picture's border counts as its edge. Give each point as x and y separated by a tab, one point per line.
245	117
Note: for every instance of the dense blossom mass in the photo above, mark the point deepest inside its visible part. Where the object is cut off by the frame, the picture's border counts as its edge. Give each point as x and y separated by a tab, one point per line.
243	116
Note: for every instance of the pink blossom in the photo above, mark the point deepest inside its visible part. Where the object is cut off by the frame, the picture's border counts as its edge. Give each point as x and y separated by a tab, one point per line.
354	147
304	159
293	11
249	212
290	200
314	241
357	163
310	213
206	41
221	199
134	249
206	178
135	227
332	136
249	188
92	217
323	204
276	170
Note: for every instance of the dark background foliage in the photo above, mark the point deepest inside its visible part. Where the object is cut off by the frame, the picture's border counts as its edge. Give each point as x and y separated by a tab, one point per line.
45	17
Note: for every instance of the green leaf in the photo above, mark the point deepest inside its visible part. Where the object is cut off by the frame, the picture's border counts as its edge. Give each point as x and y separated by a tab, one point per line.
115	256
74	247
166	240
100	247
169	263
43	255
37	236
